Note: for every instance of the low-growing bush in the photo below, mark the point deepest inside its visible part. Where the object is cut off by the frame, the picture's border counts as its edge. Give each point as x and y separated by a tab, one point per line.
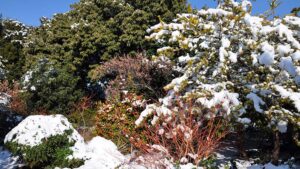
135	74
16	102
83	117
115	120
190	134
52	152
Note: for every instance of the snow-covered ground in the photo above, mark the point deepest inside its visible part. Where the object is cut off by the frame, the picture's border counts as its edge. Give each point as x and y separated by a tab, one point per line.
7	161
100	152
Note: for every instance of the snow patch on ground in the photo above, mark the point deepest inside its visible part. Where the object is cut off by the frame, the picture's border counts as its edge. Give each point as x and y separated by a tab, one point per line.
268	166
7	161
99	152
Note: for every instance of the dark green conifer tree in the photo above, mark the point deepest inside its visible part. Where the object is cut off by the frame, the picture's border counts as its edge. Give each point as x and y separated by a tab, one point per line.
12	35
95	31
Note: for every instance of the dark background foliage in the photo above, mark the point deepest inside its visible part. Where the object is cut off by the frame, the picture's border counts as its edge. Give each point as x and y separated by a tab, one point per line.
92	32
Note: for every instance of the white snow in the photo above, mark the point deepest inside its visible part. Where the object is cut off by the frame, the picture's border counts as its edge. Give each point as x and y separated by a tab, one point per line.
164	49
253	22
204	45
282	126
189	166
254	58
286	63
27	77
284	30
257	101
147	112
222	54
177	82
176	26
267	58
268	166
150	109
184	59
157	26
296	55
99	152
254	50
283	50
226	99
211	11
225	42
292	20
4	98
159	34
33	129
244	120
245	4
75	25
163	111
32	88
175	36
232	57
7	161
293	96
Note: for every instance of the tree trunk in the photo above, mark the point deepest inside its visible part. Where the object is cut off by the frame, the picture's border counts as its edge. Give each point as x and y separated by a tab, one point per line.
240	141
276	149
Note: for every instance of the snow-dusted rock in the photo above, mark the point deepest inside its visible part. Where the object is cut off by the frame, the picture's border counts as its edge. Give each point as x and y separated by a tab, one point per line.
98	153
33	129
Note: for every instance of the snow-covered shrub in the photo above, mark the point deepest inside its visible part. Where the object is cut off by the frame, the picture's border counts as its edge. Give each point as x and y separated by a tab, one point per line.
189	134
247	64
52	152
14	30
44	141
51	87
51	141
